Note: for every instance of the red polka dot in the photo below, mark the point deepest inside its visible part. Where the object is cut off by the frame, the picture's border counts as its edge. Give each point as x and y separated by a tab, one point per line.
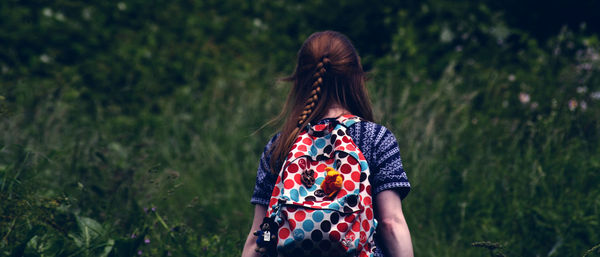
298	178
346	139
365	225
342	227
340	148
300	215
276	191
289	155
341	193
334	236
363	254
356	227
369	213
297	154
278	180
302	148
307	141
284	233
361	156
291	209
329	162
363	238
302	163
362	187
293	168
288	184
355	176
367	200
351	147
298	139
345	168
352	161
314	163
321	168
350	218
337	143
349	185
320	127
292	225
273	201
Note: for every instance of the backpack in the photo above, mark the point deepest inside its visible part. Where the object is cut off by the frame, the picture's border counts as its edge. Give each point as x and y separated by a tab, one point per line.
322	199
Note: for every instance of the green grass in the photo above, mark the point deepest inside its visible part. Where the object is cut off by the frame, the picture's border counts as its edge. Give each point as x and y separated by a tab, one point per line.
91	145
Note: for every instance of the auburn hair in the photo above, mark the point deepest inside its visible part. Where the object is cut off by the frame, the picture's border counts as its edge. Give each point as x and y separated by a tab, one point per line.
328	73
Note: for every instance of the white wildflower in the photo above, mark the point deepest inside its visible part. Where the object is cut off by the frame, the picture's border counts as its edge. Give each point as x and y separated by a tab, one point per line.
524	97
45	58
122	6
583	105
47	12
512	77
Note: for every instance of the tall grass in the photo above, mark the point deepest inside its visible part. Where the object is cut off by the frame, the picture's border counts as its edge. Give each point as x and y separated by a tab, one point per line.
151	145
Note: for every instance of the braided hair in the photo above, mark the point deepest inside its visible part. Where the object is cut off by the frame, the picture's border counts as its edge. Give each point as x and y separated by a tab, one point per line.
313	98
328	72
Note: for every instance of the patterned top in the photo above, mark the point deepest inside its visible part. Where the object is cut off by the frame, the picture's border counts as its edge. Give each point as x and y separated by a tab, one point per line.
378	145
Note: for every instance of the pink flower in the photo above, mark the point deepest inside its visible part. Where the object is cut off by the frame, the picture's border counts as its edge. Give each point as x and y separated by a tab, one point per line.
524	98
572	104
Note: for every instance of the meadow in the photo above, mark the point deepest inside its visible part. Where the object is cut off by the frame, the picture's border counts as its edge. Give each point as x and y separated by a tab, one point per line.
134	129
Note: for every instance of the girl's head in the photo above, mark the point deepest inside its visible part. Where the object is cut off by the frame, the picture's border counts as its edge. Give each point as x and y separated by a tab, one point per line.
328	73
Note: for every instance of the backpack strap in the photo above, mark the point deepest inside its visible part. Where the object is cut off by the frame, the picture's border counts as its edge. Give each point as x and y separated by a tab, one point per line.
348	120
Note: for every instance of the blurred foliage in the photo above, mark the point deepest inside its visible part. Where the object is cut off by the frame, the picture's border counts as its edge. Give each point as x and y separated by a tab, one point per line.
130	128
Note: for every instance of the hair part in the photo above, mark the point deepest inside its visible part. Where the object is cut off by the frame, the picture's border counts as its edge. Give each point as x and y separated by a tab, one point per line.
328	72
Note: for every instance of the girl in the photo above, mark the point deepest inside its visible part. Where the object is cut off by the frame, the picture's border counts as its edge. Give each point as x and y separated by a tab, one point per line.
329	82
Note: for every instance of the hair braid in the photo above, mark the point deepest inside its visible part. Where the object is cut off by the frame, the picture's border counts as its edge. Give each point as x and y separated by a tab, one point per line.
313	99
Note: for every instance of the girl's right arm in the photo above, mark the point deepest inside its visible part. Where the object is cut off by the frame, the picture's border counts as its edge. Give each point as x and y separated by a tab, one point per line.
250	246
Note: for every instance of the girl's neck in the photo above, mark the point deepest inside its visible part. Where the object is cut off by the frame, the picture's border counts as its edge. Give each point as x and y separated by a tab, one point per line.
336	111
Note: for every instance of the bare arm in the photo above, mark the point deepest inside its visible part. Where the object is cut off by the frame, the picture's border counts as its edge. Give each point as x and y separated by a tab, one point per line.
392	225
250	246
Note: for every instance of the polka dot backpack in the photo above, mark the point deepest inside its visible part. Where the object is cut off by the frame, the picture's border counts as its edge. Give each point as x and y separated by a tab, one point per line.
322	198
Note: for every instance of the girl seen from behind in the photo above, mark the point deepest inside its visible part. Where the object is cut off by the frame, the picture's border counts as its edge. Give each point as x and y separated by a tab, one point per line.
331	182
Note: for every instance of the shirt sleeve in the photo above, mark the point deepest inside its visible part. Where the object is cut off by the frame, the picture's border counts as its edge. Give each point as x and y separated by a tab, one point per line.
381	150
265	180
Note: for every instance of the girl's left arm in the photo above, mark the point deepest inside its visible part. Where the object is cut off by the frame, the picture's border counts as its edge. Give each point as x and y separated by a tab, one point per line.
392	225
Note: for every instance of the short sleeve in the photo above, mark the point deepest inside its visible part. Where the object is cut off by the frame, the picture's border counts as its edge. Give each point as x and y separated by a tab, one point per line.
265	180
380	147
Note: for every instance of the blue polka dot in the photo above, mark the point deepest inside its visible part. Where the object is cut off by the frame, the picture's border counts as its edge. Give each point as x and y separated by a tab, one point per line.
308	225
303	192
318	181
320	143
357	191
313	149
294	195
298	234
288	244
364	165
317	216
334	206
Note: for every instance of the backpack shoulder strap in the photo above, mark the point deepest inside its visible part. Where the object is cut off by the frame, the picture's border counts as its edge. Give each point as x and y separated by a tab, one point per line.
348	120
